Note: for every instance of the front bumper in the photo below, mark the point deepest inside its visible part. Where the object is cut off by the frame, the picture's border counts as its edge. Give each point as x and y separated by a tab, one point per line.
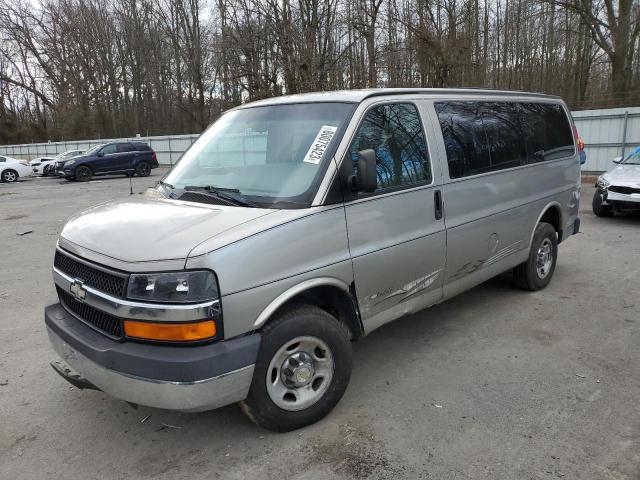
183	378
633	198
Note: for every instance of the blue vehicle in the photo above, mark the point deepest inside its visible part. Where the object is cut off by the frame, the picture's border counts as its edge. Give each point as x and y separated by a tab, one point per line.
116	158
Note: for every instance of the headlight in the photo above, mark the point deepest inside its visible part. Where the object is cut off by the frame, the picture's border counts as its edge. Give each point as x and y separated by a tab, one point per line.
602	183
173	287
70	162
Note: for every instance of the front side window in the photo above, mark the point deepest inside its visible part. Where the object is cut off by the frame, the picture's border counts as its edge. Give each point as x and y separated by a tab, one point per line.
109	149
395	133
267	154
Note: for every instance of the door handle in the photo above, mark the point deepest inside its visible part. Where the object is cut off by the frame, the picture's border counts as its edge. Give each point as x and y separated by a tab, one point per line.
437	201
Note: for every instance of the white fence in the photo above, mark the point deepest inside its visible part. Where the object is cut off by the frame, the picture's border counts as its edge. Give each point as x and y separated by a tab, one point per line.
608	134
168	148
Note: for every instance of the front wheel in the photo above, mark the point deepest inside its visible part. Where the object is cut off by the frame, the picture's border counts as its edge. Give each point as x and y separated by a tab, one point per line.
598	208
536	272
302	371
83	173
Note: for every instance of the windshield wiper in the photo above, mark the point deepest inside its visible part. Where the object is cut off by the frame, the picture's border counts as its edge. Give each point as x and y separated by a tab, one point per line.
231	195
165	184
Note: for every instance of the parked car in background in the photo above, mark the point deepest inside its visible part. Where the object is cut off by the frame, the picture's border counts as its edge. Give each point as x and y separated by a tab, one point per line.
295	225
618	190
37	163
46	167
116	158
11	169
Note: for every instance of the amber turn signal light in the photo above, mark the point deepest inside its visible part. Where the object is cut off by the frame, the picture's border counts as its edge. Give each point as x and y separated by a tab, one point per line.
175	332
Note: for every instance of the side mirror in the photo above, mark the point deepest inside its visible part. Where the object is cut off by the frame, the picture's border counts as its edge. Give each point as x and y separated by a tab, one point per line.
367	178
617	160
100	154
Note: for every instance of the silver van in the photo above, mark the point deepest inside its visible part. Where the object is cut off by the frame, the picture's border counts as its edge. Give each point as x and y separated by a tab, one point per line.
295	225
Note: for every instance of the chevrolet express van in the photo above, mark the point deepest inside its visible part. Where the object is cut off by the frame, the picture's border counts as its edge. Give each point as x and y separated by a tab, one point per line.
295	225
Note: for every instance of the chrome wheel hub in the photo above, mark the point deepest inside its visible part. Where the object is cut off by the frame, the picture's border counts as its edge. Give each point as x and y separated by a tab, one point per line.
300	373
544	258
10	176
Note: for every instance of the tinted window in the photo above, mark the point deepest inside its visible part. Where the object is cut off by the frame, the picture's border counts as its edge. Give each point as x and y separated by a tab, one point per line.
125	147
2	159
109	149
395	133
142	147
464	138
504	135
547	131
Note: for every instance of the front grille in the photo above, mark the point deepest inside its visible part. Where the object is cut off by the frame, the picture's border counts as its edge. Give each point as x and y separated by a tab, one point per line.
623	190
100	320
197	197
111	283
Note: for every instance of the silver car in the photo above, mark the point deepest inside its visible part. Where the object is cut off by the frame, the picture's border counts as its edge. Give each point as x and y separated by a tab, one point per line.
296	225
618	190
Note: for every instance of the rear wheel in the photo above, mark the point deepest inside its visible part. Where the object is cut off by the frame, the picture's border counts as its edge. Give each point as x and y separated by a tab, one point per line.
143	169
536	272
83	173
598	208
302	371
10	176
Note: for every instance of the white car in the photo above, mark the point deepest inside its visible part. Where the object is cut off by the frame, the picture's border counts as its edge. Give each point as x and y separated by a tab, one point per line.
619	189
43	165
11	169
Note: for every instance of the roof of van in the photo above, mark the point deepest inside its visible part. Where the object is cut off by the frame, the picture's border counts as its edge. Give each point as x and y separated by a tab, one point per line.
356	96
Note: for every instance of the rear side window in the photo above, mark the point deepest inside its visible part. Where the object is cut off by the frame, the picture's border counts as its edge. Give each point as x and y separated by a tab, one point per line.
504	135
464	138
395	133
482	137
2	159
142	147
547	131
125	147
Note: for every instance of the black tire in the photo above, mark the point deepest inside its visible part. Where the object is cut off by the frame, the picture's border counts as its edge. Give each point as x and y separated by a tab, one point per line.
9	176
143	169
530	275
599	209
45	171
83	173
289	324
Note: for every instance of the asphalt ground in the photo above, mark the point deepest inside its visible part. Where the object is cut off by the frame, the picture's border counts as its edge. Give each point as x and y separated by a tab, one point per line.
496	383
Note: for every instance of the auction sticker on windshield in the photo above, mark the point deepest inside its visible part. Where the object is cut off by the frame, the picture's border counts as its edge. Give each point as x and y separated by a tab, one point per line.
319	145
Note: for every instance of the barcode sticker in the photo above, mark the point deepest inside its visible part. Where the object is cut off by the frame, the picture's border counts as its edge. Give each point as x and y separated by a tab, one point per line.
319	145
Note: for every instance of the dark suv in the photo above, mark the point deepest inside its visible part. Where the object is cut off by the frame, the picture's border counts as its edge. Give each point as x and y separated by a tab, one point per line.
117	158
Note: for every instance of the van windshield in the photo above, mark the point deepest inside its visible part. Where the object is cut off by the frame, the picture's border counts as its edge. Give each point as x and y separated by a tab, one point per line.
271	154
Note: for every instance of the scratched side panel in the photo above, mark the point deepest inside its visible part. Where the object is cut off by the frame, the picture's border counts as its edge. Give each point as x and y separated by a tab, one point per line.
491	218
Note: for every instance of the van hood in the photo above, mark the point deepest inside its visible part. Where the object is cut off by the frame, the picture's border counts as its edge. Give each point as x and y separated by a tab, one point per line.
624	175
152	229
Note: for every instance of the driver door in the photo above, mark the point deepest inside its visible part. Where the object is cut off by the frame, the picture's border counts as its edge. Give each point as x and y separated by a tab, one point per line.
106	159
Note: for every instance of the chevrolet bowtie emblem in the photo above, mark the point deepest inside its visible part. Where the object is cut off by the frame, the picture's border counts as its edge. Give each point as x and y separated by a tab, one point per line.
78	291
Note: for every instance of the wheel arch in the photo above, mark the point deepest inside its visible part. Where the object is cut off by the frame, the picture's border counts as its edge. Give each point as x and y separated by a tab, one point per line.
551	214
330	294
